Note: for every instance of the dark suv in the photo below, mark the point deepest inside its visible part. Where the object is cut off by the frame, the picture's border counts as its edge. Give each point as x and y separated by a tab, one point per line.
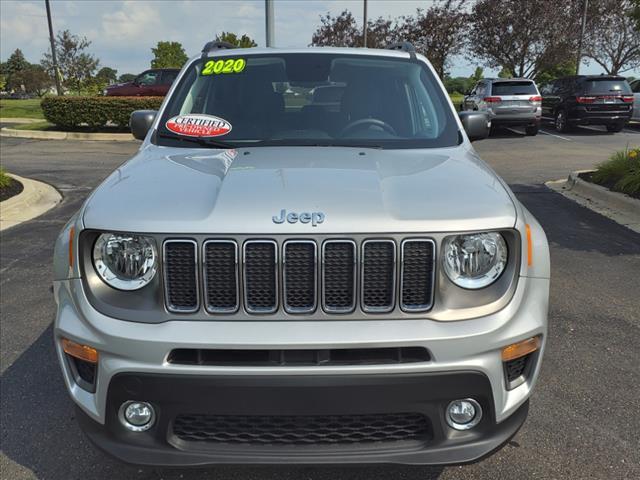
155	82
588	100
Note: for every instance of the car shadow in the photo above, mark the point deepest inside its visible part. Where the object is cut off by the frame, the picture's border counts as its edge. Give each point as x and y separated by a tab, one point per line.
507	132
572	226
39	432
577	130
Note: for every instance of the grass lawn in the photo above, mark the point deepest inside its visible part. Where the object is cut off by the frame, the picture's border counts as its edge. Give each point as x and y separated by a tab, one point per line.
44	125
20	108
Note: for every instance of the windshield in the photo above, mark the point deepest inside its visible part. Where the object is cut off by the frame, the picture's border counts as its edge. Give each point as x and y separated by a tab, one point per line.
308	99
514	88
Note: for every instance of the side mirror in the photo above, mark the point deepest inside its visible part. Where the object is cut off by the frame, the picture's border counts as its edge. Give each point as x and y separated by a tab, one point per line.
140	122
476	124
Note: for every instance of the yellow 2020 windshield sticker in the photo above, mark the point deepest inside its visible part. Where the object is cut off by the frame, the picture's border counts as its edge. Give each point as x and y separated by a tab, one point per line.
222	66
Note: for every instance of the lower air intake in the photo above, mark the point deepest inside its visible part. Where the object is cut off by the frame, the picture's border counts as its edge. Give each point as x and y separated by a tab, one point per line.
302	430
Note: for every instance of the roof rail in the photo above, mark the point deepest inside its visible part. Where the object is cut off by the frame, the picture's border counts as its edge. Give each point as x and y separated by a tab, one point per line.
405	47
216	45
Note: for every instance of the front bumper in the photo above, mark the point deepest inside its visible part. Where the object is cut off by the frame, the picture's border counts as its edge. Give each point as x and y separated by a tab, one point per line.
465	362
336	396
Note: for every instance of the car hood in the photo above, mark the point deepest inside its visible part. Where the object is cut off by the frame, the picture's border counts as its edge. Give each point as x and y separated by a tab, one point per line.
176	190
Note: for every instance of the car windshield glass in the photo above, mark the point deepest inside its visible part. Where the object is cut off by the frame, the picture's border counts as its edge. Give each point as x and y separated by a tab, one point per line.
309	99
596	85
513	88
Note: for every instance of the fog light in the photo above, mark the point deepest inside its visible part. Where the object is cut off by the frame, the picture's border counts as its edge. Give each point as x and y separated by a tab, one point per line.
137	416
463	414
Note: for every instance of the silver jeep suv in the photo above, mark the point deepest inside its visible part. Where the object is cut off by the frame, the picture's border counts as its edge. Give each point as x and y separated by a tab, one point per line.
273	279
513	102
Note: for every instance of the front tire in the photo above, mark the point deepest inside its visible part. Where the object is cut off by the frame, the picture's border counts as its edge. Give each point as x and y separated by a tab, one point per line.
615	127
532	130
561	123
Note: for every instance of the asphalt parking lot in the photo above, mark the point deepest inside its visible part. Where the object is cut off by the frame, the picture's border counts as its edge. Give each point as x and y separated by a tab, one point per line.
583	421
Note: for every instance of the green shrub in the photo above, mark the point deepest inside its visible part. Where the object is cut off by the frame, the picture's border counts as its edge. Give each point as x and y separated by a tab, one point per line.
622	171
5	180
95	112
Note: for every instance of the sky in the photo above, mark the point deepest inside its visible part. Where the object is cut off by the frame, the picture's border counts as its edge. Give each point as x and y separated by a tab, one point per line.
122	32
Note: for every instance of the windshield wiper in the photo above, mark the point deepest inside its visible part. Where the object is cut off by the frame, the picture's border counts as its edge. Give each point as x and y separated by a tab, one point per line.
205	142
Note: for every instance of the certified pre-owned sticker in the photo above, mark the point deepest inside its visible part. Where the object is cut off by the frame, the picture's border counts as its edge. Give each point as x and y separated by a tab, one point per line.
199	125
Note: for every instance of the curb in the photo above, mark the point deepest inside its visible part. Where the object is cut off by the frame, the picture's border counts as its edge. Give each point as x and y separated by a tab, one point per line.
619	207
21	120
35	199
54	135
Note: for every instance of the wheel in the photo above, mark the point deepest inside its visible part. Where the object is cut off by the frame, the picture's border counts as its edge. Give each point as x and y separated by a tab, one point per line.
531	130
561	123
615	127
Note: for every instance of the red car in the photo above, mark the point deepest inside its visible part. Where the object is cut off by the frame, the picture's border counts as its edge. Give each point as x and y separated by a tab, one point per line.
155	82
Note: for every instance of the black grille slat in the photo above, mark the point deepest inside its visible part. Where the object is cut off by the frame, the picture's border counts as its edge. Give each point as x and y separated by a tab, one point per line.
339	260
221	276
181	284
378	275
260	276
300	276
312	357
417	275
302	430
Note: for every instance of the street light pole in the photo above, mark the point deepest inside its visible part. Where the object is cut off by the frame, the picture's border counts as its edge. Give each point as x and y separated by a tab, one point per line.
364	32
268	26
53	50
582	29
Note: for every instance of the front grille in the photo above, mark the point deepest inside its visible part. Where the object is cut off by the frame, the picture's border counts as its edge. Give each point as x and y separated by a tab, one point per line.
301	430
300	274
260	276
181	275
378	275
339	276
417	275
297	358
221	276
290	276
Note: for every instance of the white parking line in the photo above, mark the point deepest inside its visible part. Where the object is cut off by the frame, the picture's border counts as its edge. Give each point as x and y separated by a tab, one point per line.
628	130
557	136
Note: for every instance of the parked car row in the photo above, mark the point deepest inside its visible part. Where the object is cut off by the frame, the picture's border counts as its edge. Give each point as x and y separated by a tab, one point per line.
569	101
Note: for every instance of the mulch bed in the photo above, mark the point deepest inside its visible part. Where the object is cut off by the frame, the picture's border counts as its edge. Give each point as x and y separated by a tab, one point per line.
14	188
587	177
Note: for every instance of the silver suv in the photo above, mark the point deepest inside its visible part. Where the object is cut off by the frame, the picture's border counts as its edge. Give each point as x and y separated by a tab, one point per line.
274	279
509	102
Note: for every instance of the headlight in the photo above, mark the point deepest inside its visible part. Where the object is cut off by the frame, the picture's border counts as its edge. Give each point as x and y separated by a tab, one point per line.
475	260
125	261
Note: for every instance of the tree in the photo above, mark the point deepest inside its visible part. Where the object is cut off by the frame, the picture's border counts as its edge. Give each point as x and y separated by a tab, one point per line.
168	55
74	63
438	32
563	69
243	42
340	31
15	63
635	13
524	36
126	77
33	79
107	74
478	74
612	40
